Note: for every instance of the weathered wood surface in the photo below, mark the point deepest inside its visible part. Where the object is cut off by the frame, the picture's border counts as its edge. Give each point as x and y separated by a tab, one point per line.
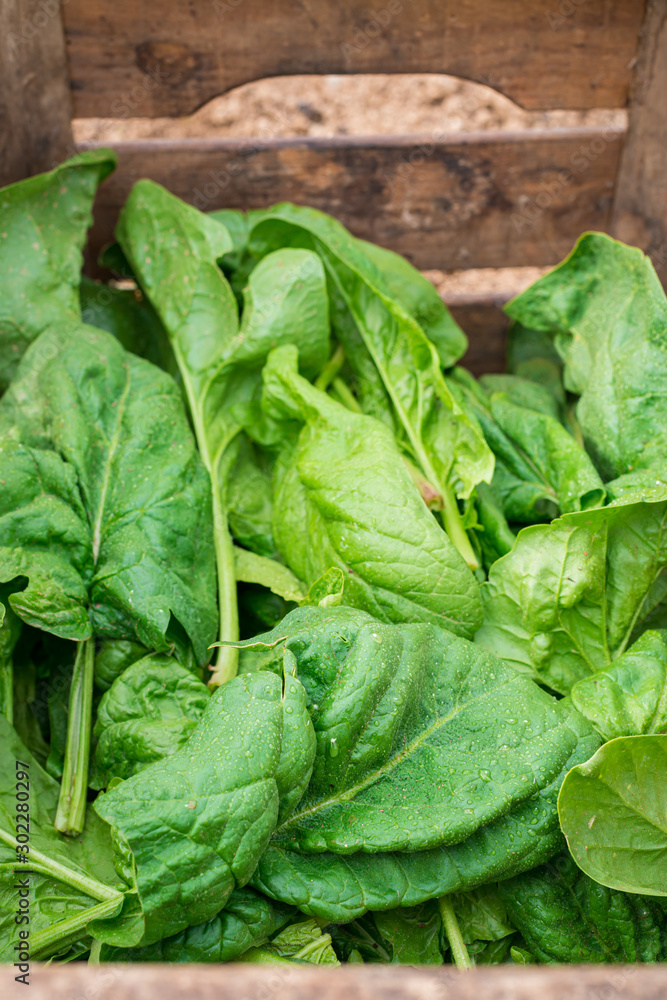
468	200
251	982
640	207
138	58
35	107
485	323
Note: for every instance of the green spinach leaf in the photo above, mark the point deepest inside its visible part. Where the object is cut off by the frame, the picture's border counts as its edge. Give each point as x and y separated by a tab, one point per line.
43	225
613	813
398	367
174	250
607	311
343	498
564	916
572	595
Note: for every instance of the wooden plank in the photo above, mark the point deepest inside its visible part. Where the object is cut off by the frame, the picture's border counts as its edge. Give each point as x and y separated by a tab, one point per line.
492	199
35	110
350	982
137	58
640	206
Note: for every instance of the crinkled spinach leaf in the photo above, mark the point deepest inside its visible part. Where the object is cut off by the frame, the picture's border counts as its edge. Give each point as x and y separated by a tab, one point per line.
572	595
148	713
198	821
565	917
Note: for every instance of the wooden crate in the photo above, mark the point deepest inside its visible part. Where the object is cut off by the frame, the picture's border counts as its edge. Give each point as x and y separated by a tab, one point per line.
486	199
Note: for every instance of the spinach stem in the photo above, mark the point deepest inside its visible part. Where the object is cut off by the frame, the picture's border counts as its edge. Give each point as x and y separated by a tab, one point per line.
330	369
7	688
344	395
453	932
226	663
44	865
71	812
67	931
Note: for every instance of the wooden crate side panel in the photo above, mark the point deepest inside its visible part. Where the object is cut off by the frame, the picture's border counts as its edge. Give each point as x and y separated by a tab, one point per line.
136	58
350	982
640	207
35	108
477	200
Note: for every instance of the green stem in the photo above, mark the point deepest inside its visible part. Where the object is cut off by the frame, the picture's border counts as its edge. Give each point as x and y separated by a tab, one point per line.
331	369
65	932
453	932
7	688
44	865
226	663
340	390
71	813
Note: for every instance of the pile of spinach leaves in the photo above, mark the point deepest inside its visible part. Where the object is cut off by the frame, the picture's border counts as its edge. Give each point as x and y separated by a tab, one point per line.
313	646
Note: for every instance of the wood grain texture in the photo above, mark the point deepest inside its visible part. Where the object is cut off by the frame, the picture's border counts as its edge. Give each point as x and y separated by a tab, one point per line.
35	108
78	981
640	206
138	58
467	200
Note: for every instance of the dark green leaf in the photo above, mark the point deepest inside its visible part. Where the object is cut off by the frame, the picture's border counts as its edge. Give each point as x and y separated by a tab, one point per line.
43	225
105	505
411	934
566	917
198	820
148	713
130	318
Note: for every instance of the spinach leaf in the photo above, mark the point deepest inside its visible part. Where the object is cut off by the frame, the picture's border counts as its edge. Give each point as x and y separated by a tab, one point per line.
112	657
572	595
564	916
148	713
411	934
72	880
392	701
532	355
608	312
198	820
612	810
629	697
482	915
343	498
398	367
401	281
130	318
247	921
43	225
249	494
540	468
300	941
251	568
219	361
105	513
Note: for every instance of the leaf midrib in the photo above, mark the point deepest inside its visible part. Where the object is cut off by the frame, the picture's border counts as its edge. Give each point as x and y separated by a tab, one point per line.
351	793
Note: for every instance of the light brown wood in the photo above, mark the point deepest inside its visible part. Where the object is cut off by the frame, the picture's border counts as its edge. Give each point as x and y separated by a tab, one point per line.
136	58
640	207
467	200
351	982
35	109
